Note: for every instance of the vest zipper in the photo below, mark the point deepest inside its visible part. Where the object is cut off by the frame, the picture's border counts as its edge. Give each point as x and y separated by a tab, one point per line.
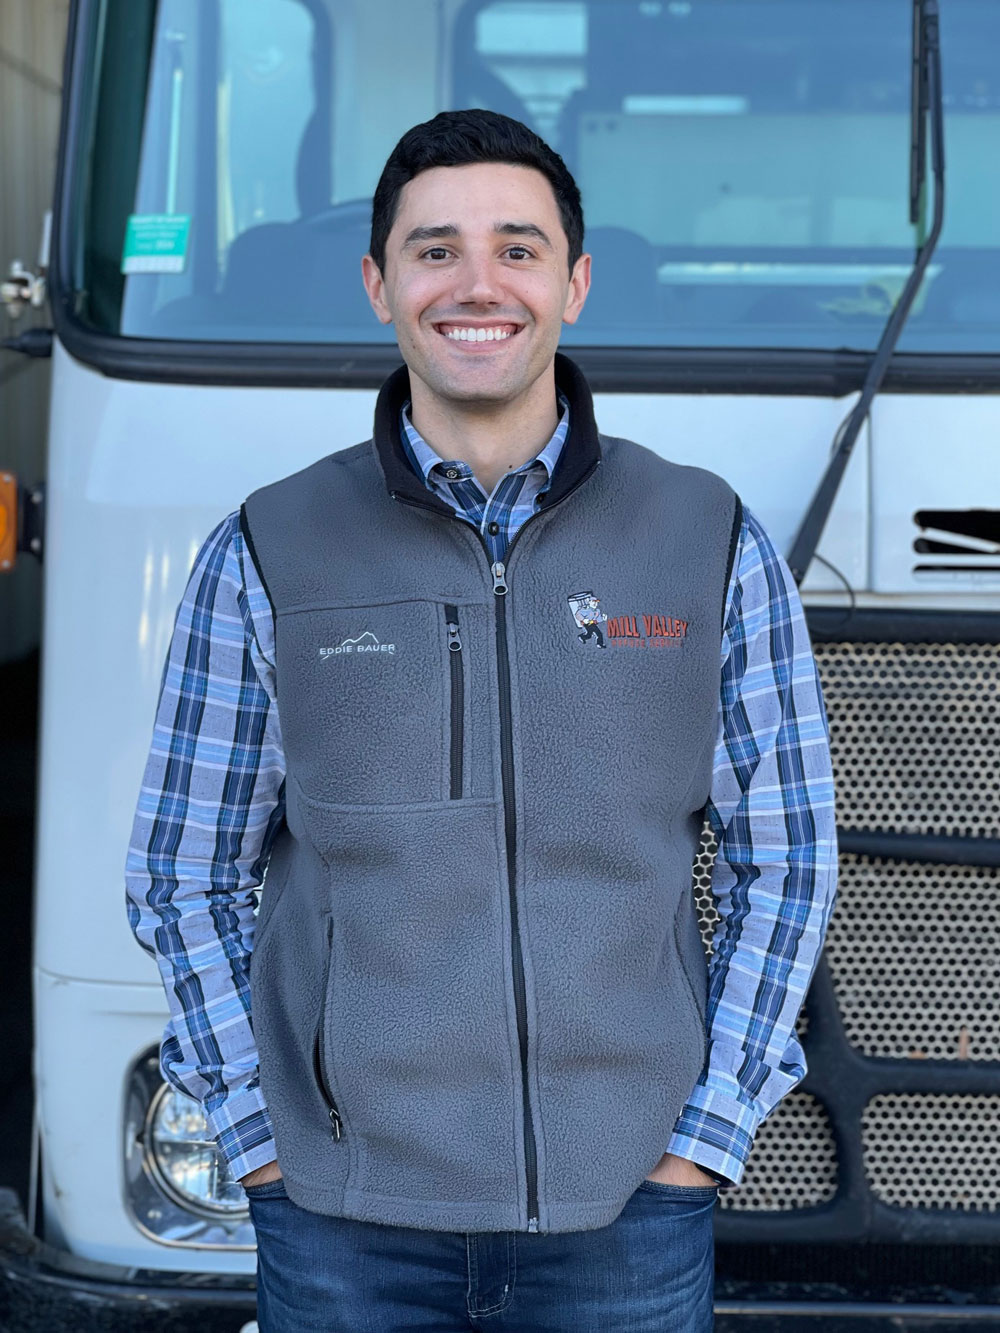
500	590
457	701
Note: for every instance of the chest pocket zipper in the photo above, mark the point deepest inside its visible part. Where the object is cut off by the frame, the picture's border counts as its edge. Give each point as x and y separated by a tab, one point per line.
457	702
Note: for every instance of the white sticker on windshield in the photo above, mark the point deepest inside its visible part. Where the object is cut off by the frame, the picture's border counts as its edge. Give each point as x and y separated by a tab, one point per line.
156	243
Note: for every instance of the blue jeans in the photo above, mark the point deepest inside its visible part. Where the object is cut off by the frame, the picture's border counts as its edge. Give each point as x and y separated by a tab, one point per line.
650	1271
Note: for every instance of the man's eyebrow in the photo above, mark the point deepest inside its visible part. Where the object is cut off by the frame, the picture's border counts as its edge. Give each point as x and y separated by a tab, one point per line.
448	230
419	234
523	229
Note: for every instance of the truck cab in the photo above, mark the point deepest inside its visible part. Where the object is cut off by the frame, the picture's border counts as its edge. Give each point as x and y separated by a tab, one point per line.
746	171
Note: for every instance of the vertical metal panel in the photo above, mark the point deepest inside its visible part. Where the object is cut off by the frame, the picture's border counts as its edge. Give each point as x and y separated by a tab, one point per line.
32	37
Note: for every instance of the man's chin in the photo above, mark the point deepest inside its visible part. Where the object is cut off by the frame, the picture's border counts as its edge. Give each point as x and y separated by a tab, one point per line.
487	386
485	396
478	387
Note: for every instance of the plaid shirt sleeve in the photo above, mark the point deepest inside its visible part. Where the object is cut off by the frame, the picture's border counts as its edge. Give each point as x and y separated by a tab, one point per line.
211	801
772	813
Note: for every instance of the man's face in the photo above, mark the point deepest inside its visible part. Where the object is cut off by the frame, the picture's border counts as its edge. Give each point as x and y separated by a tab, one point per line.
477	281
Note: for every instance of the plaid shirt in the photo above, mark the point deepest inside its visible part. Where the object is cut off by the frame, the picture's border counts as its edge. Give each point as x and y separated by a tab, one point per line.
212	800
513	499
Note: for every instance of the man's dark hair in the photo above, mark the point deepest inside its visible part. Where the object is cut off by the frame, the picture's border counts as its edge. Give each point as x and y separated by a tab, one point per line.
457	139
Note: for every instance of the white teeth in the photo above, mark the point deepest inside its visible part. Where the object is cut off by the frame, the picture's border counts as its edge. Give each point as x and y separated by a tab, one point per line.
477	335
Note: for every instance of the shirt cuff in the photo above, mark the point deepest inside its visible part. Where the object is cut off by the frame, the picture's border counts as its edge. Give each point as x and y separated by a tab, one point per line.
242	1130
716	1132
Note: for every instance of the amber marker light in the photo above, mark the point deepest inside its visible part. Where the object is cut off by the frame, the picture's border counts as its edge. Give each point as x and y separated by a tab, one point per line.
8	521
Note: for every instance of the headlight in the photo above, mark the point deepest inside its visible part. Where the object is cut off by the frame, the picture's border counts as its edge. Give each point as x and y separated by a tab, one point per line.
184	1157
178	1186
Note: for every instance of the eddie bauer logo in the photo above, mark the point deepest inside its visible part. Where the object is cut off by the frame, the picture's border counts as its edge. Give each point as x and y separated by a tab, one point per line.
639	631
364	643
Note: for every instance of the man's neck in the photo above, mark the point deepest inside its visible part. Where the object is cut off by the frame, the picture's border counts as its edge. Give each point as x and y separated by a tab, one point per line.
493	438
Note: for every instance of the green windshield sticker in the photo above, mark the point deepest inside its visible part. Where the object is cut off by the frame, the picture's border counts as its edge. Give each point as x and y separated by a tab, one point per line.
156	243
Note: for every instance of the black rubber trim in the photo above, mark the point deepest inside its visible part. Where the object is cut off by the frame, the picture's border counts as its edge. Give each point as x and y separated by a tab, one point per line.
765	372
877	625
940	849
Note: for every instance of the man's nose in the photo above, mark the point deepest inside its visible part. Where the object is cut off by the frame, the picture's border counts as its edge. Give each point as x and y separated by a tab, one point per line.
478	281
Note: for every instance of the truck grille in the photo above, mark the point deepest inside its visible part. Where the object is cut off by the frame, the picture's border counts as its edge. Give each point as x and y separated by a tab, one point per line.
912	947
913	730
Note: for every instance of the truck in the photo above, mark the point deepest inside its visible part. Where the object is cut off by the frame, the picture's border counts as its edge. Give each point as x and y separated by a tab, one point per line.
779	295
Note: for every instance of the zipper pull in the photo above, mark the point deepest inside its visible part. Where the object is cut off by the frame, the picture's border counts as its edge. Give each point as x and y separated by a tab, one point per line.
338	1128
454	642
499	582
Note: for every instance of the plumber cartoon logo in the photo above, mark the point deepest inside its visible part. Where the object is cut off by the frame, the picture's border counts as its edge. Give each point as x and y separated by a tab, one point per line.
633	631
587	613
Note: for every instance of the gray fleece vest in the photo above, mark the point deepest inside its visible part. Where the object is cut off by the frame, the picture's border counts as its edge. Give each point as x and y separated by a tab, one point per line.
478	984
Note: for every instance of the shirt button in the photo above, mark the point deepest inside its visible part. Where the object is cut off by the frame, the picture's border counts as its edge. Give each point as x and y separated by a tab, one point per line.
451	473
493	529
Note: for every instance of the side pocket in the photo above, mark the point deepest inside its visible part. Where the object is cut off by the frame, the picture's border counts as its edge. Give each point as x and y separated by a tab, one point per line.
322	1082
457	667
336	1124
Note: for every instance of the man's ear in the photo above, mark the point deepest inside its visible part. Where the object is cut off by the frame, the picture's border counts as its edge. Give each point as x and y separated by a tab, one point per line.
375	287
579	286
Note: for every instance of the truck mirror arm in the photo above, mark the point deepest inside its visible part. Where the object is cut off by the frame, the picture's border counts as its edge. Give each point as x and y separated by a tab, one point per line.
32	342
927	99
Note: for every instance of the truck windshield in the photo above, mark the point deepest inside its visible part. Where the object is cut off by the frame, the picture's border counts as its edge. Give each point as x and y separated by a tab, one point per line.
744	163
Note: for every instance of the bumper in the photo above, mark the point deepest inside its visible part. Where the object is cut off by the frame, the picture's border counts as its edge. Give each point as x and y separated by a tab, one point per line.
45	1289
762	1316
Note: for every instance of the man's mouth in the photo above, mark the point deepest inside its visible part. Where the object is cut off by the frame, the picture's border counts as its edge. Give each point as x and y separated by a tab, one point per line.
478	333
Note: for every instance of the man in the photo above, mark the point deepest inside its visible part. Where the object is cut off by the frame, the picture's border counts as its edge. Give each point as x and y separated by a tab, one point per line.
489	1080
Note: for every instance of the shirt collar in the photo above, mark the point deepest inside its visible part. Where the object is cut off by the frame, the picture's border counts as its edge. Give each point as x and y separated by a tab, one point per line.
424	460
577	463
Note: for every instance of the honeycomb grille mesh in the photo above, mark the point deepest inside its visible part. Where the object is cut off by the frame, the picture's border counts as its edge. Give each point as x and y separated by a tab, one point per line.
793	1163
933	1151
911	734
912	949
704	903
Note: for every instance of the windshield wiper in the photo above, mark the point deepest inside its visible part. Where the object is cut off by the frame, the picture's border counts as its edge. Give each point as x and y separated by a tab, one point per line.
927	102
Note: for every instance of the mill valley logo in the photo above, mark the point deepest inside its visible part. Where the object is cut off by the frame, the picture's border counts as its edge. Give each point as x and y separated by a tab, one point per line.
364	643
638	631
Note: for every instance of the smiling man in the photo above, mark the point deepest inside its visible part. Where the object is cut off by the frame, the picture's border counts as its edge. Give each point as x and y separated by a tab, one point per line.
477	278
481	1075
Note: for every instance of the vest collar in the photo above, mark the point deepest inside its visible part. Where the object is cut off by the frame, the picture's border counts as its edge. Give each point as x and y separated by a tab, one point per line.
580	454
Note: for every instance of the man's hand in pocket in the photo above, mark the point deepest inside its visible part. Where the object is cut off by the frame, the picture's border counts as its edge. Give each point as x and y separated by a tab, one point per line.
673	1170
263	1175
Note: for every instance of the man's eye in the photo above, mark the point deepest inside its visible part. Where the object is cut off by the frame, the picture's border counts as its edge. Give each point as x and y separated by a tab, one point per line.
518	252
436	252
